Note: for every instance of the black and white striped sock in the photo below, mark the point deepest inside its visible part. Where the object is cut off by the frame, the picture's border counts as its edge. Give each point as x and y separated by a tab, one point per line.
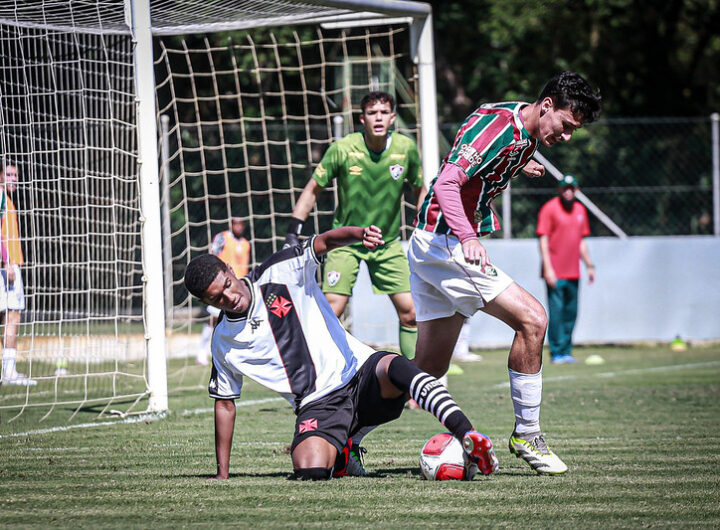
432	396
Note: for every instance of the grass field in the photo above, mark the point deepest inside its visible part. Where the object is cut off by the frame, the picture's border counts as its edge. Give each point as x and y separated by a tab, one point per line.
641	435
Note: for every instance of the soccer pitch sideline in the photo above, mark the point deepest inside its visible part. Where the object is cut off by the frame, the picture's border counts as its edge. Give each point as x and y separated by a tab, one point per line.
640	433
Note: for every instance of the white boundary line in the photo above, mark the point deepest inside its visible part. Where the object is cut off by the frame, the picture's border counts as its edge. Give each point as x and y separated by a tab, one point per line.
621	372
190	412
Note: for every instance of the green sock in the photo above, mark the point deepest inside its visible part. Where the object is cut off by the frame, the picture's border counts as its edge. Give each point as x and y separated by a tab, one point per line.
408	338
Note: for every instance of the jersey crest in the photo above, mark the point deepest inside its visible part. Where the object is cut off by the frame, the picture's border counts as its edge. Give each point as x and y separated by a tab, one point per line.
333	277
396	171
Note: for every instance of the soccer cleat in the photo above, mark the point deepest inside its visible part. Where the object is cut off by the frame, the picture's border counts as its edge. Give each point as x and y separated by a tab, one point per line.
533	449
352	454
480	448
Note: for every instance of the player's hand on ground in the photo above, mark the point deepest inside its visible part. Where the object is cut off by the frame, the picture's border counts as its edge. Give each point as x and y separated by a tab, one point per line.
474	253
534	169
372	237
291	240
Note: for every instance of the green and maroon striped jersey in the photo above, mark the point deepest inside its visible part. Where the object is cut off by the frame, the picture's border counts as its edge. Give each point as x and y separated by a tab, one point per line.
370	185
491	147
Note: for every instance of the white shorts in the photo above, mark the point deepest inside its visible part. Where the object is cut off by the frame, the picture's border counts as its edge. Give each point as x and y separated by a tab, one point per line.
12	296
443	283
214	311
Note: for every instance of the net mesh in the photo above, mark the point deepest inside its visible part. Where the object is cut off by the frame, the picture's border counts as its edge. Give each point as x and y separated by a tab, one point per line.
67	124
249	119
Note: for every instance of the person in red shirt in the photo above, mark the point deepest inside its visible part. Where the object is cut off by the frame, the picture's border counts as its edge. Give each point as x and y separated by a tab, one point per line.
562	227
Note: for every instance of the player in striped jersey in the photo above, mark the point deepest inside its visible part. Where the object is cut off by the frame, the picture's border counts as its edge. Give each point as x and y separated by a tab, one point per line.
277	328
451	274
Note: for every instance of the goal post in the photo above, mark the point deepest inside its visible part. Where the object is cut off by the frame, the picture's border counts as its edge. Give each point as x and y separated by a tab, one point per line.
252	97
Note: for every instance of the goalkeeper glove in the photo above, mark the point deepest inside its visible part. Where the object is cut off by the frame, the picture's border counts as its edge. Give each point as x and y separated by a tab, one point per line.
292	238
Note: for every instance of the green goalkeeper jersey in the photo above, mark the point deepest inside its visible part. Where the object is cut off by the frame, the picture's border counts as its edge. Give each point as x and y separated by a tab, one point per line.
370	185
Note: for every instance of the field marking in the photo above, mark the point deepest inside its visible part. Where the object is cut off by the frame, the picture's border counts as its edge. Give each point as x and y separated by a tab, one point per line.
621	372
190	412
204	410
133	419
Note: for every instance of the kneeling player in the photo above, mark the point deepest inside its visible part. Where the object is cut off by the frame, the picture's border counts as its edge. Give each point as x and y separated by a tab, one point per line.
277	328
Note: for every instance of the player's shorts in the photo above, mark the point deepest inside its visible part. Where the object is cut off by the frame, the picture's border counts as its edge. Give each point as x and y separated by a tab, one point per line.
12	296
443	283
339	415
214	311
388	267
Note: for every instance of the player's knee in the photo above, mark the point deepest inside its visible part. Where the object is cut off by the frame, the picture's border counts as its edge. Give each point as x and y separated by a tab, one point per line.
535	322
313	473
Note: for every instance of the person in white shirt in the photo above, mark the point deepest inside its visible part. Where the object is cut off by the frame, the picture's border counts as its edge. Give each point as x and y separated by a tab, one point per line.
277	328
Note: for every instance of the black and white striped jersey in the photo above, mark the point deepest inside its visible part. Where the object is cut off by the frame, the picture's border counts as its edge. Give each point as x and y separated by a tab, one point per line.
290	340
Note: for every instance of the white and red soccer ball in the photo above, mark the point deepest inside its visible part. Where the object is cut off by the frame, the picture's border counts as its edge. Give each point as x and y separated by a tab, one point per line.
443	458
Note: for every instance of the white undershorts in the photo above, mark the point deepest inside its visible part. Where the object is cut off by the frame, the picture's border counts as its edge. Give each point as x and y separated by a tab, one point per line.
12	296
443	283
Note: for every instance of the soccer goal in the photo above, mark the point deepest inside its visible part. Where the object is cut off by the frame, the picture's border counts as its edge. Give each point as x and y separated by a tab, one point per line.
138	129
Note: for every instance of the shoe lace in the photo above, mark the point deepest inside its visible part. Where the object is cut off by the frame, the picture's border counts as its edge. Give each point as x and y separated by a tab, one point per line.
539	443
358	452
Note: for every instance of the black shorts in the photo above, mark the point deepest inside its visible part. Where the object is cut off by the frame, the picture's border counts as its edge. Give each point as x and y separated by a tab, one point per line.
340	414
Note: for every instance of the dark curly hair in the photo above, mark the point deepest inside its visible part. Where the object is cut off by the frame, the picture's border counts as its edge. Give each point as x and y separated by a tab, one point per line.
201	272
569	90
377	95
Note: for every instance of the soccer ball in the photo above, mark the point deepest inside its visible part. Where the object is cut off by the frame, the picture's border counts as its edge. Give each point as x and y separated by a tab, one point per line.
443	458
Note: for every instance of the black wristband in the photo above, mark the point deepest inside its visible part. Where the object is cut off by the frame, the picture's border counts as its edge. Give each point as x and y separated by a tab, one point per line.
295	226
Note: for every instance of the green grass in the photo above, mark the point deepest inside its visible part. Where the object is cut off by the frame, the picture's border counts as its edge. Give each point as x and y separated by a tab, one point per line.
642	446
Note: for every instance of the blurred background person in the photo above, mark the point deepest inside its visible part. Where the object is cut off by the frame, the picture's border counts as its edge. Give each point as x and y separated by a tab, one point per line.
562	228
234	249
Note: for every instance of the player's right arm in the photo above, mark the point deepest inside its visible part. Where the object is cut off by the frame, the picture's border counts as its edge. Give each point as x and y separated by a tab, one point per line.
224	427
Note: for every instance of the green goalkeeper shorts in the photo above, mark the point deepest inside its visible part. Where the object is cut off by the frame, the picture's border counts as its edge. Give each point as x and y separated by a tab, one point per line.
388	267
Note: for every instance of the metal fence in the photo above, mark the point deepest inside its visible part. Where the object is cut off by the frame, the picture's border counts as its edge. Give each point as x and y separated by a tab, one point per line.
650	176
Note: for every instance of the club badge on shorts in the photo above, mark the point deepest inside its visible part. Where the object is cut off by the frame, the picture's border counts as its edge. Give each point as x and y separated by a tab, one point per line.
333	277
396	171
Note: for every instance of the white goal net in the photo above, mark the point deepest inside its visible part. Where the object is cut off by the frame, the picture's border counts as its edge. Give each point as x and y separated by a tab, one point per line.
246	97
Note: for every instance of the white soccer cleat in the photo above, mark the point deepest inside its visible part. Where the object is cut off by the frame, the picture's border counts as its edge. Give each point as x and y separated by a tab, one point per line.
533	449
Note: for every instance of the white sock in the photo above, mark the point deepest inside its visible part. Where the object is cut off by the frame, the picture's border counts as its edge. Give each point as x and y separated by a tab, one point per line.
8	361
526	393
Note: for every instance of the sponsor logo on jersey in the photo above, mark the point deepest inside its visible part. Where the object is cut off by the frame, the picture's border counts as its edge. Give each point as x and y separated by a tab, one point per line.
396	171
353	154
333	277
470	154
255	323
520	144
355	171
397	156
320	170
278	305
308	425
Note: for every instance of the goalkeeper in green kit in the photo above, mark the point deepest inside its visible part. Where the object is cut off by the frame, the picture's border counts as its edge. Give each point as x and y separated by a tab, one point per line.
370	169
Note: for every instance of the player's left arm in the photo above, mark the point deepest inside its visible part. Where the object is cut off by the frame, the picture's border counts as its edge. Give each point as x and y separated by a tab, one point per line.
370	236
224	427
585	256
533	169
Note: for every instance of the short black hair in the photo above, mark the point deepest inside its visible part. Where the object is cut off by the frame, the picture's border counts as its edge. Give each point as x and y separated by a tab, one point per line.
200	273
376	95
570	90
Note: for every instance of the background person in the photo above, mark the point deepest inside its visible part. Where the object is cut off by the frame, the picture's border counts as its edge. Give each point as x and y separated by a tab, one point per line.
234	249
277	328
562	227
451	274
12	291
370	168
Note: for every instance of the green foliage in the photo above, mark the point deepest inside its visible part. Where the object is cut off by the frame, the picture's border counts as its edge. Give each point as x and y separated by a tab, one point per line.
648	57
639	434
